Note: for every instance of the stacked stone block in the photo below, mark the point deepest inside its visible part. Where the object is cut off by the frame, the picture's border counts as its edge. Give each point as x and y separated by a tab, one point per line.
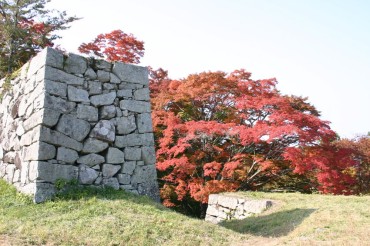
226	207
72	118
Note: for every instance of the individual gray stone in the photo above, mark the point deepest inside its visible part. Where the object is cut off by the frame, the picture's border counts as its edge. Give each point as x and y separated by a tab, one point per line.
128	167
42	191
135	106
147	139
9	170
109	170
90	73
30	137
131	73
126	85
87	175
133	139
55	103
144	123
95	88
118	112
127	93
9	157
56	138
107	112
227	201
16	176
75	64
47	56
103	65
54	74
257	206
109	86
103	76
132	153
77	95
24	172
39	151
89	113
67	155
212	199
47	117
99	180
114	79
126	125
55	88
91	160
1	153
115	156
104	99
75	128
104	130
144	174
140	163
111	182
148	155
52	172
124	179
142	94
93	145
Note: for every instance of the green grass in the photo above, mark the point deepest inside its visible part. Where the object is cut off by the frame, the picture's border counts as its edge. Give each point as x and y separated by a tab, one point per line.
107	217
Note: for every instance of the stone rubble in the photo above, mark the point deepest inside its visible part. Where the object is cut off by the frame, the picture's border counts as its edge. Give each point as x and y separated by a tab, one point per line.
226	207
75	118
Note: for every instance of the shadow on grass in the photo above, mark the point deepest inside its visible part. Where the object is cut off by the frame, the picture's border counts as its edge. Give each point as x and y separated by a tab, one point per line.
272	225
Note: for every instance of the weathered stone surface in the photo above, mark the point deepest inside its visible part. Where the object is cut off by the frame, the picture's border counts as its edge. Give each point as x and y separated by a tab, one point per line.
257	206
103	65
75	64
212	199
104	99
143	174
67	155
77	95
147	139
148	155
52	172
228	202
91	160
135	106
58	139
126	125
75	128
131	73
54	74
111	182
49	57
95	88
1	153
87	175
103	76
43	192
142	94
93	145
55	88
144	123
127	93
30	137
47	117
9	157
55	103
109	170
90	73
114	79
124	178
109	86
128	167
133	139
107	112
104	130
115	156
89	113
132	153
39	151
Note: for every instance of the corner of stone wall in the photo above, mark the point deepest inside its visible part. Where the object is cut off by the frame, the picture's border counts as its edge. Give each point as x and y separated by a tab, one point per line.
73	118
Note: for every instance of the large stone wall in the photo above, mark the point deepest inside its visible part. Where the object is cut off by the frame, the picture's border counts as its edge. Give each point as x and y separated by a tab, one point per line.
72	118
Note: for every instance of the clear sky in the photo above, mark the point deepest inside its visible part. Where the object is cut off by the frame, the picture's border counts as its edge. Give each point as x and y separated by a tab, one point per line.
315	48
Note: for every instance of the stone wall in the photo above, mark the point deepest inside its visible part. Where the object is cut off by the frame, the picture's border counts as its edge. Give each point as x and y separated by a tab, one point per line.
226	207
72	118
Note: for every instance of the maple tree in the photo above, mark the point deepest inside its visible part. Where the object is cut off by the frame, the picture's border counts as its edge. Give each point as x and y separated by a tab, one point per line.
222	132
26	27
115	46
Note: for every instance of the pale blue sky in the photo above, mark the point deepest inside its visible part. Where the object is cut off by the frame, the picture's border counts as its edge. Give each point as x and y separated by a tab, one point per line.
315	48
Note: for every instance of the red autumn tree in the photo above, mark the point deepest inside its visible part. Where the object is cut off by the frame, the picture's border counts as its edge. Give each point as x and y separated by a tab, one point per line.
222	132
115	46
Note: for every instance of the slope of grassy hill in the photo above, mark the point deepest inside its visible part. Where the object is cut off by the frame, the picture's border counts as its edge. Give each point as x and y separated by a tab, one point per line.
107	217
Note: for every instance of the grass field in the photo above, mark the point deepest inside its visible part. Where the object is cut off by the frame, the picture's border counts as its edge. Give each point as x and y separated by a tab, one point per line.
106	217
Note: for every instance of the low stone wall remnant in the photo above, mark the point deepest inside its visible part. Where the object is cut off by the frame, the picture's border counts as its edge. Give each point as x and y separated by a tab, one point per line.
226	207
73	118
